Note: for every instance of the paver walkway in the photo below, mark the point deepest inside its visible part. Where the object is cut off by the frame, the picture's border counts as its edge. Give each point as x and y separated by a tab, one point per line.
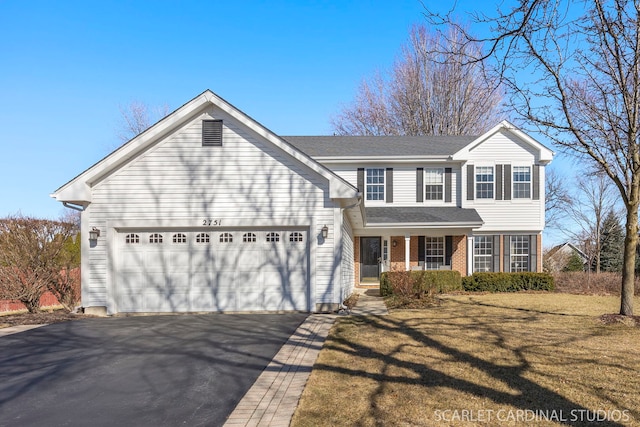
274	396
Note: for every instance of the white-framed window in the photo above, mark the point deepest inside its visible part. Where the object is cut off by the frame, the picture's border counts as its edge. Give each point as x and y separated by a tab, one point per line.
521	182
273	237
249	238
155	238
132	239
484	182
295	237
202	238
482	253
179	238
519	253
434	184
433	252
385	250
375	184
226	238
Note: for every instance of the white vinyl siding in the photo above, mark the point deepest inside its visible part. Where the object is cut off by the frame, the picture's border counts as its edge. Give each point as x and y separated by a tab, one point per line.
347	261
245	182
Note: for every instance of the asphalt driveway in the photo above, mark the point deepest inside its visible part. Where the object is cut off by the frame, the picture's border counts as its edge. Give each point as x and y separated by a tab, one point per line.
187	370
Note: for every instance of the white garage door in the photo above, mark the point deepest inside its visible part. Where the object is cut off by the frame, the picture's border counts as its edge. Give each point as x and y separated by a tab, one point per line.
219	270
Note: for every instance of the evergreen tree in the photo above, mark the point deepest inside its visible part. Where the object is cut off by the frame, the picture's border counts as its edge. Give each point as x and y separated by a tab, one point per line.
611	244
574	263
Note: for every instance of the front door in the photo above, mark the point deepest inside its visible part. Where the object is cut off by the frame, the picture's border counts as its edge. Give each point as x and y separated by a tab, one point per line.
369	259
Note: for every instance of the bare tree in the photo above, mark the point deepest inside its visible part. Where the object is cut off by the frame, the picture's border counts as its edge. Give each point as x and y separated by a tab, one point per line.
29	252
431	90
587	208
573	70
137	117
556	198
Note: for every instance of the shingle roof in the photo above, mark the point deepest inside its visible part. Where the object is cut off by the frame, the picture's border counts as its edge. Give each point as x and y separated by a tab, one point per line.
384	146
421	215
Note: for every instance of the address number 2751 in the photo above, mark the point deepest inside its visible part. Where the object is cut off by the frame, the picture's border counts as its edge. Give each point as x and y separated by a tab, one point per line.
212	222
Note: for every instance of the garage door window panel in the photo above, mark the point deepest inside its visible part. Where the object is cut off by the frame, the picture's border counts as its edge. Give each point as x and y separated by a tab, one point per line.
295	237
202	238
132	239
179	238
273	237
226	238
249	238
155	238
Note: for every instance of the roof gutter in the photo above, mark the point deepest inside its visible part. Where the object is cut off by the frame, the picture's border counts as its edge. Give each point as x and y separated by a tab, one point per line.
73	206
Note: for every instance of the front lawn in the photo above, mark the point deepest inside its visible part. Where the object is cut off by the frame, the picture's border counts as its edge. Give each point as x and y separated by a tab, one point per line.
496	359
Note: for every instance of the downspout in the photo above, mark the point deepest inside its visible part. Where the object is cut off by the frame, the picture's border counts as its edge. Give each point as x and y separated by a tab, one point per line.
341	306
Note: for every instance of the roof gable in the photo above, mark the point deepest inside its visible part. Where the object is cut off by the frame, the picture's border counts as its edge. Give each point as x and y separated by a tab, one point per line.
545	155
78	190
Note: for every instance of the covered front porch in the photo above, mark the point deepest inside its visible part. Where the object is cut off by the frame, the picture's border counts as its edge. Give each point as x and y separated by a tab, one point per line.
414	238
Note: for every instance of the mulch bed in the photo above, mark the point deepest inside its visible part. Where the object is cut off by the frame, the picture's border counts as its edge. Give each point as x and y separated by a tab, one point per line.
611	319
44	317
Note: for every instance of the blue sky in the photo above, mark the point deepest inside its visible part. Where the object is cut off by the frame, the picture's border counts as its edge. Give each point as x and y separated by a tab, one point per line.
67	66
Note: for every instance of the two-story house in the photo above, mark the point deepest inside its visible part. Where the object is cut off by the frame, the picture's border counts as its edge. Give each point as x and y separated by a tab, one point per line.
210	211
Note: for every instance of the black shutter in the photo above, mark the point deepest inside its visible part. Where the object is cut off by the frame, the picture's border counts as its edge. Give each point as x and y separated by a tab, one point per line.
421	254
533	252
448	249
470	180
361	181
212	132
498	182
507	254
447	185
536	182
496	253
419	185
389	185
507	182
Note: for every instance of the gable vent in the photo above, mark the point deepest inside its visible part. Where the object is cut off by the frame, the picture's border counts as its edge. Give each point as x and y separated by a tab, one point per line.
212	132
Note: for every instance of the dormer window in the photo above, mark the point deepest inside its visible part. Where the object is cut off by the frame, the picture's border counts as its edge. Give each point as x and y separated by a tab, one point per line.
212	132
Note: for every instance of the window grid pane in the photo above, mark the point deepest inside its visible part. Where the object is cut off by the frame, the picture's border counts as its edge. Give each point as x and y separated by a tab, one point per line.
521	182
202	238
519	253
434	183
375	184
482	253
484	182
434	252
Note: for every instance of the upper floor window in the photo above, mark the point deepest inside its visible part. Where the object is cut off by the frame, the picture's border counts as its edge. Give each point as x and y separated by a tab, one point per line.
484	182
519	253
434	184
375	184
521	182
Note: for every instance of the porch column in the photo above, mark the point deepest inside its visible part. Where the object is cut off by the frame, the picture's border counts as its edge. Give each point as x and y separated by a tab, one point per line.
407	254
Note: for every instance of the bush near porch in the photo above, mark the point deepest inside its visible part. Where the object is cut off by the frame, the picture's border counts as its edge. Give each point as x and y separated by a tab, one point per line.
419	283
508	282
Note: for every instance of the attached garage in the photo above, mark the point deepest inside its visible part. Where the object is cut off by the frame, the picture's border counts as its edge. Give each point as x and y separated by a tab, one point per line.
212	270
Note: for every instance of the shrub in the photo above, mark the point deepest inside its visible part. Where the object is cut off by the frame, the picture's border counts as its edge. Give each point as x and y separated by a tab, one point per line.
508	282
418	284
590	283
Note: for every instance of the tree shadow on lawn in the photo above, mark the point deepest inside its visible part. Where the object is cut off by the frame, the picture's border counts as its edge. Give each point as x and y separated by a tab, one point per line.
529	395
